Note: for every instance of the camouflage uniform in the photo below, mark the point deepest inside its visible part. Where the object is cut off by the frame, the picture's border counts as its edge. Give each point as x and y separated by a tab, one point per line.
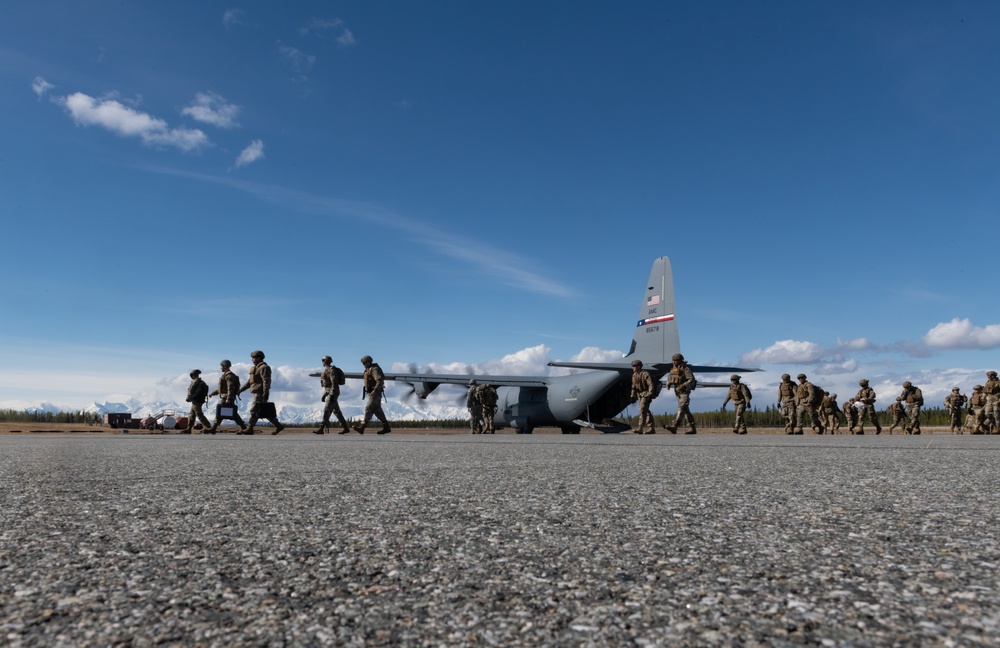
259	384
866	396
642	391
831	412
977	411
475	409
991	414
740	395
898	413
786	400
331	394
914	400
954	402
805	404
486	395
374	382
197	393
681	380
229	389
850	414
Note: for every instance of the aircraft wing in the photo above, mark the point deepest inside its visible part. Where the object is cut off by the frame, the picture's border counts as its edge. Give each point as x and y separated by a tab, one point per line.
461	379
715	369
626	366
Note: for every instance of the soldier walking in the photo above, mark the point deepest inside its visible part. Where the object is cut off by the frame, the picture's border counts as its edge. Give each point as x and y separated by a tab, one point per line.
806	400
681	380
197	394
487	397
954	402
992	413
474	407
786	401
374	386
229	388
331	379
866	396
831	412
850	414
259	384
741	396
977	411
914	400
896	411
642	391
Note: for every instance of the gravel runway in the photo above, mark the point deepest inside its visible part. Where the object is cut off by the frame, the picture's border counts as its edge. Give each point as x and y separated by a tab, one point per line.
507	540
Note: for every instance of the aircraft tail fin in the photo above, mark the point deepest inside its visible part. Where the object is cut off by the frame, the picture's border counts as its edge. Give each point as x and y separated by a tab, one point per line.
656	338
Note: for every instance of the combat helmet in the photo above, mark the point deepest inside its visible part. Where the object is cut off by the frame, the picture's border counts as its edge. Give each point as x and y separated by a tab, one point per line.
257	354
677	357
863	382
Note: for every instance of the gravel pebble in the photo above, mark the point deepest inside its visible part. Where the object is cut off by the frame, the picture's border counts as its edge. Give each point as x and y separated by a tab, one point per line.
499	541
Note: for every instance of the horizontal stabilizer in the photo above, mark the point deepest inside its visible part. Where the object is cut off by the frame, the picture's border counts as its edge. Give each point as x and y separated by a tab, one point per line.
714	369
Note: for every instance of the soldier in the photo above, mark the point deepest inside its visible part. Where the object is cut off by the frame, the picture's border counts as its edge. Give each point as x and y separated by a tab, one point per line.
197	394
229	388
866	396
914	400
331	379
954	402
992	412
682	381
977	410
259	384
374	386
642	391
786	401
487	396
806	400
850	414
475	409
741	396
896	411
831	412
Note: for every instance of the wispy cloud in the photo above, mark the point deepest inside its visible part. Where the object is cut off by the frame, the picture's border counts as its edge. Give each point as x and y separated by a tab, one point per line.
963	334
128	122
40	86
299	60
321	26
252	153
499	266
211	108
233	18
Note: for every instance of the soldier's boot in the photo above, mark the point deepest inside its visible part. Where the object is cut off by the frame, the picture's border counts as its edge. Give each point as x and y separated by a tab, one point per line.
278	427
212	429
360	429
346	430
385	429
322	428
186	431
247	430
878	429
672	429
692	430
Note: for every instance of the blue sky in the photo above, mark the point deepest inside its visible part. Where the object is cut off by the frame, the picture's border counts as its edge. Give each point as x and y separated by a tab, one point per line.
487	184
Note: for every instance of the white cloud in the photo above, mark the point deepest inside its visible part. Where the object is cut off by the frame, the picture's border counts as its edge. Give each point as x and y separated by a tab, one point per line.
211	108
785	352
319	27
299	60
962	334
232	17
251	153
40	86
128	122
346	38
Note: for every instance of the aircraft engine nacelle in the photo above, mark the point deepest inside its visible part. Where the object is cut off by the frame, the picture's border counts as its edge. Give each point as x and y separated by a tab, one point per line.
424	389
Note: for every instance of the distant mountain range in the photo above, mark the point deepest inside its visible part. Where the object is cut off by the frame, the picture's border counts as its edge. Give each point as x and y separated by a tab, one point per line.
287	413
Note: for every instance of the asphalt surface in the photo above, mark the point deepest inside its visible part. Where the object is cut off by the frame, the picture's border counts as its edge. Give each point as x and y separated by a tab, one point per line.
506	540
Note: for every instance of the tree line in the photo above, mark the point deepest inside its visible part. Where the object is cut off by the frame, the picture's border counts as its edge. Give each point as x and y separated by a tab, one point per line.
38	416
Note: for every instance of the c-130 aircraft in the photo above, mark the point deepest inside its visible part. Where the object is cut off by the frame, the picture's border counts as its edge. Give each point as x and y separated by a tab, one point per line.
589	398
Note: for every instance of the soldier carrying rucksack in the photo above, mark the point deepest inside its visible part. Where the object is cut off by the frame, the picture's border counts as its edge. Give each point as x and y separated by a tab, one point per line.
331	379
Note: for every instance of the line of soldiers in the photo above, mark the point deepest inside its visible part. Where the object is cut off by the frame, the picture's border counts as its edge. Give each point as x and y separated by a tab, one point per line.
805	399
482	404
259	384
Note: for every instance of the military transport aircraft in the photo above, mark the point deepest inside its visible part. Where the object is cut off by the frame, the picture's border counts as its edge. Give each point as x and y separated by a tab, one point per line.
589	398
